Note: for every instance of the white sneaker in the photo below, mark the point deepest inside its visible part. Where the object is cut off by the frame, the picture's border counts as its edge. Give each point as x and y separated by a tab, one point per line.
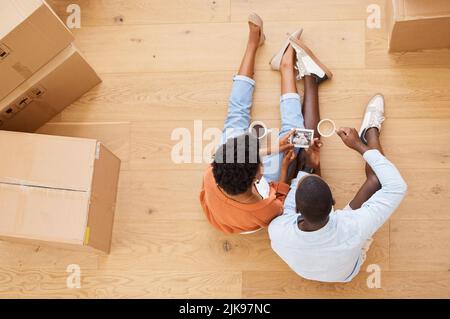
275	62
307	63
373	117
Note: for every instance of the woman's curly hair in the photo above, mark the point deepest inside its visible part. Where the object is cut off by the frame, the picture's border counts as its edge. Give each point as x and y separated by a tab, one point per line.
236	164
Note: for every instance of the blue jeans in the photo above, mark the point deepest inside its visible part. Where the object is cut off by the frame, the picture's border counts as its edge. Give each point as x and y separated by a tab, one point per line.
238	119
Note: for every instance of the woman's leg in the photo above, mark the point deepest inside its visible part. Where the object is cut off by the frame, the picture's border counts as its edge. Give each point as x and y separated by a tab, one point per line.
288	81
290	109
372	184
290	105
248	61
241	98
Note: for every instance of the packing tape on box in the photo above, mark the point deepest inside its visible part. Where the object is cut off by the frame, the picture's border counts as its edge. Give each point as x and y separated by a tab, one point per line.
86	235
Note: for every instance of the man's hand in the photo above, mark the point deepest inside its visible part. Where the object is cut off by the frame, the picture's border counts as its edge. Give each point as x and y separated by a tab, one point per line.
351	138
312	154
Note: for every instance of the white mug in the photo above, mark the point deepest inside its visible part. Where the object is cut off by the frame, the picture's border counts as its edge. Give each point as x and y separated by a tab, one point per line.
324	122
263	127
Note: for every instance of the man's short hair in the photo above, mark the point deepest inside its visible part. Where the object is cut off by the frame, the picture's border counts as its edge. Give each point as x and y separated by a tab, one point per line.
236	164
313	199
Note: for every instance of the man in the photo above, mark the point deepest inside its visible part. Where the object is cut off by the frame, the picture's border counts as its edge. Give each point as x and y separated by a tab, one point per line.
321	244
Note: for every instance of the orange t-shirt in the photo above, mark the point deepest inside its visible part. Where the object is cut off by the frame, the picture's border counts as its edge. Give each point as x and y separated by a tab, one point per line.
230	216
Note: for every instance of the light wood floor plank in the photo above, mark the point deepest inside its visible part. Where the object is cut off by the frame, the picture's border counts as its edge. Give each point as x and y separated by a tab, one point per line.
204	95
196	47
151	144
129	12
427	190
26	256
303	10
188	245
126	283
393	285
140	196
193	245
418	245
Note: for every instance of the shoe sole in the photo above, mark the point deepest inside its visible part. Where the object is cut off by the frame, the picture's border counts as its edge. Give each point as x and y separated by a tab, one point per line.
327	71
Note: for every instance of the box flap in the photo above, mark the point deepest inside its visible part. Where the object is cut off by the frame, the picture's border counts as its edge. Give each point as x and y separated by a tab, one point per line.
47	161
103	199
43	214
14	12
415	9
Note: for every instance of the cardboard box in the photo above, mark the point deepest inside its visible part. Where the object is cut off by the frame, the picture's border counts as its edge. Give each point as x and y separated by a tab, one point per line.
418	24
31	34
57	190
51	89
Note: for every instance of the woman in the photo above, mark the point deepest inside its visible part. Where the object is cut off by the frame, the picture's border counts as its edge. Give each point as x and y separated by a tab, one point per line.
244	188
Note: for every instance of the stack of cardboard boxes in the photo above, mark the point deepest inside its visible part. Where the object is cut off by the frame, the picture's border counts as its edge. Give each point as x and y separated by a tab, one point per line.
41	71
55	190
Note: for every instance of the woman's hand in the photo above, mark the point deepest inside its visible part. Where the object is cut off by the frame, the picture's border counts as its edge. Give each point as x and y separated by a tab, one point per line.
283	145
289	158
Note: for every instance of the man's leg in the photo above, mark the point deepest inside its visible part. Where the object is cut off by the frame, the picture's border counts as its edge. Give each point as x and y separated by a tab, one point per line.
311	113
238	118
372	184
311	104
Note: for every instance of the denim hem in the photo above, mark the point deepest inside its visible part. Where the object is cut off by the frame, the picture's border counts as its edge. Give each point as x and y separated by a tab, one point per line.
244	78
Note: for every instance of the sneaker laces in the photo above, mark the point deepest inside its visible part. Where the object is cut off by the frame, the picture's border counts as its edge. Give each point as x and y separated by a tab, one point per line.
299	65
375	118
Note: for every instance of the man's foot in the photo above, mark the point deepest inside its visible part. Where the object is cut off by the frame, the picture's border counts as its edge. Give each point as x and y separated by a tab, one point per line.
373	117
256	35
283	55
308	63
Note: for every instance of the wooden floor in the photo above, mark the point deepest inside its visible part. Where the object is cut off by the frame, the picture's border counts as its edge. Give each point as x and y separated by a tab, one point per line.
166	63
